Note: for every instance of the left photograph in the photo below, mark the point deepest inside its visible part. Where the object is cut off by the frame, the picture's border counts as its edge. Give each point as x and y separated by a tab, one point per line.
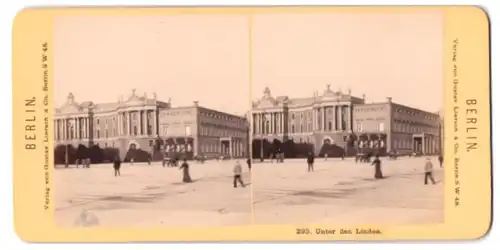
151	124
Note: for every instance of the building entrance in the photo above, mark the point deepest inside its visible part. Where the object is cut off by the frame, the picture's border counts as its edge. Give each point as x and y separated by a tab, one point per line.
225	147
417	144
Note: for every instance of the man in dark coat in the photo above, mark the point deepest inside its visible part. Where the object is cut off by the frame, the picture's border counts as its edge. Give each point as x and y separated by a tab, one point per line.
249	163
310	162
116	165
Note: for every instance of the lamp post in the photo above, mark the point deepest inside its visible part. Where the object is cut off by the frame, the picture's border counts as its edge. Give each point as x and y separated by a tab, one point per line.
265	118
66	154
187	132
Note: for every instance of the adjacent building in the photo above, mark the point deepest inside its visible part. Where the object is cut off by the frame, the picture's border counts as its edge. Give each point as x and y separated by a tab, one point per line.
140	122
338	123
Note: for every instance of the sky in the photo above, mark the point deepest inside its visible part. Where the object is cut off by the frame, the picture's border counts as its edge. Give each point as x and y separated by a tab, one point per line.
206	58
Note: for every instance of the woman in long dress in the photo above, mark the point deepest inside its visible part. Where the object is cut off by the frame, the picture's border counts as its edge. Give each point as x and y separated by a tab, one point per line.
185	172
378	168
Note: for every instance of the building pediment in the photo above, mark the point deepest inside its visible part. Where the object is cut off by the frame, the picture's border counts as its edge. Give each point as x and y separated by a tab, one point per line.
74	108
70	106
134	100
266	101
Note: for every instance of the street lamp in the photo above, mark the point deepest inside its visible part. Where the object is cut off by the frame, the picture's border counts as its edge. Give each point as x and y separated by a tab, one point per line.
265	119
66	155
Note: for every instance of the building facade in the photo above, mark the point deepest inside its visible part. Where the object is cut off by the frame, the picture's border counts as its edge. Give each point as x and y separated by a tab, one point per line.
336	123
140	122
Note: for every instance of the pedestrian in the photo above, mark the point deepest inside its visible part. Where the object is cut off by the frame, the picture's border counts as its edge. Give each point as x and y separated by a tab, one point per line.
116	165
310	162
237	171
440	158
378	168
249	163
428	171
326	156
186	178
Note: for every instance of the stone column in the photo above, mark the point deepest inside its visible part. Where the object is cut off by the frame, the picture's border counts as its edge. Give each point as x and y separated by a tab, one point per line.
349	118
273	127
66	129
270	123
84	125
424	144
77	127
255	125
325	123
313	118
277	122
155	133
261	131
61	123
282	122
256	122
59	128
144	122
129	123
339	118
74	128
118	124
428	145
78	134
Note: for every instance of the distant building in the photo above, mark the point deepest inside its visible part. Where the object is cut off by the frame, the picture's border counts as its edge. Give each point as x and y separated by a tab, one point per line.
140	122
337	123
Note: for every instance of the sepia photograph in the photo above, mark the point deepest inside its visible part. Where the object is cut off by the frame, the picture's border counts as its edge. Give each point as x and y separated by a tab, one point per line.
150	120
224	120
347	124
251	123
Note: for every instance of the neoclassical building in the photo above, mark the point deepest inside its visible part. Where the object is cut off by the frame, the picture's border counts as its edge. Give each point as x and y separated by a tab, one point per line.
335	123
140	121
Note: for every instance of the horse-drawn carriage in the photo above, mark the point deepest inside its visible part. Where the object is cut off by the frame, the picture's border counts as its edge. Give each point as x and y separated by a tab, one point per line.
200	158
393	155
224	157
363	157
170	162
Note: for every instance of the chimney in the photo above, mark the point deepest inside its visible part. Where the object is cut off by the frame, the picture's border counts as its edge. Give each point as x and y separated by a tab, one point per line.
195	103
389	99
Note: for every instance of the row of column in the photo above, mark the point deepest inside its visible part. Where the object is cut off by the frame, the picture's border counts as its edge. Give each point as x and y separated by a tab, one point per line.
429	145
236	148
269	123
126	125
274	122
74	128
71	128
341	114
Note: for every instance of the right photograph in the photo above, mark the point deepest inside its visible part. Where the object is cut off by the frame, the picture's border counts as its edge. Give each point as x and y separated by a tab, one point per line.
346	119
